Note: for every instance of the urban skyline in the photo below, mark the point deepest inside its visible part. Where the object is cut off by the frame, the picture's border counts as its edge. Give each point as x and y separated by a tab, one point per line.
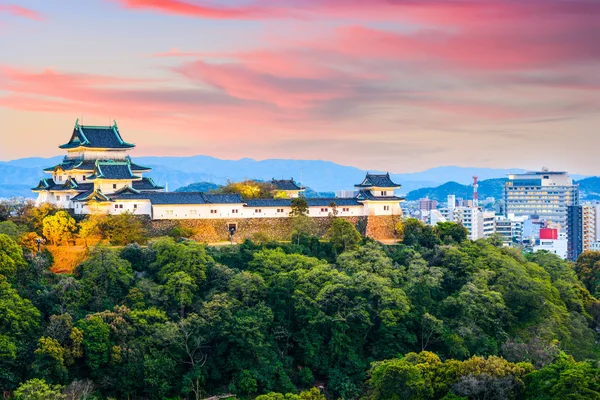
458	82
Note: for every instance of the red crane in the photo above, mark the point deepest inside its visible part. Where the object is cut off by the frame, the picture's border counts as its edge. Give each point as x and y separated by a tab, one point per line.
475	193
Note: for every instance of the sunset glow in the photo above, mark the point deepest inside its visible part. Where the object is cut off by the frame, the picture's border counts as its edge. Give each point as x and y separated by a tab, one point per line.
397	85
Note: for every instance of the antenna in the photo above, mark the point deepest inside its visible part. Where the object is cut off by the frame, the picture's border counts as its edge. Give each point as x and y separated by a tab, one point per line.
475	193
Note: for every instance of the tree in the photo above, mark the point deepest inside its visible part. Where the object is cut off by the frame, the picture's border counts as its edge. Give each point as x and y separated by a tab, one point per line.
106	276
92	227
180	289
343	235
188	257
79	390
123	229
564	379
299	207
312	394
96	343
31	241
59	227
248	189
450	232
587	268
11	229
19	322
11	256
397	379
302	228
49	360
38	389
35	216
416	233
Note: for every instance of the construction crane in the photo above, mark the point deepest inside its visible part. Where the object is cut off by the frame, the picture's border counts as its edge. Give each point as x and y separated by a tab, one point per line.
475	193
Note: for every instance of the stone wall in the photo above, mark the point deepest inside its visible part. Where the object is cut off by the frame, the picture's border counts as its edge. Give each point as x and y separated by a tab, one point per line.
381	227
216	230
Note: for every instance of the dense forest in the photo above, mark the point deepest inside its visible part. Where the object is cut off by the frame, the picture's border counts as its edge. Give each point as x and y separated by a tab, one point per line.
434	317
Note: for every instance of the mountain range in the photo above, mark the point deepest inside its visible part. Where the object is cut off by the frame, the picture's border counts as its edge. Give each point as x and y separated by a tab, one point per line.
18	176
589	190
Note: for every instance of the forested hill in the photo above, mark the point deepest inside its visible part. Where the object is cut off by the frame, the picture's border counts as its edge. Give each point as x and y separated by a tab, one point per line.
487	188
435	317
589	190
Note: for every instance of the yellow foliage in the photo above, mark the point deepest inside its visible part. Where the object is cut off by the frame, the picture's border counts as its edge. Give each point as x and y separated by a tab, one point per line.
67	258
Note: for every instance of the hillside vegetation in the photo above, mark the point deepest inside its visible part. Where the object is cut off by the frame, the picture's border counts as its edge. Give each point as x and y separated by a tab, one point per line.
435	317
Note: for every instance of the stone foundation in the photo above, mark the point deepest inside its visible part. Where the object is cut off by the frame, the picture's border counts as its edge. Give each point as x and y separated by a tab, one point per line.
216	230
382	227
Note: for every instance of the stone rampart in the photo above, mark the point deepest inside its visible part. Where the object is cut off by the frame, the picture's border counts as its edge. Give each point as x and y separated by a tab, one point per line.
217	230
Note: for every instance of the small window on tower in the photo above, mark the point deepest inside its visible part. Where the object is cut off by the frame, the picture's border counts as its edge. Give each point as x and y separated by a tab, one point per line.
114	185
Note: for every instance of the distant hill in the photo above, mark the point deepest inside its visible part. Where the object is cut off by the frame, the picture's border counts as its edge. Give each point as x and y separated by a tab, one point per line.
176	172
199	187
589	188
487	188
209	186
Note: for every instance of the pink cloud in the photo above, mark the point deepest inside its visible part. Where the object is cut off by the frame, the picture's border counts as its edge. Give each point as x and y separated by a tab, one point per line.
196	9
21	12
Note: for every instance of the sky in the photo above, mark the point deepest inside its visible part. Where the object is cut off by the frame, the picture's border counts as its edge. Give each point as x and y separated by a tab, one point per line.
397	85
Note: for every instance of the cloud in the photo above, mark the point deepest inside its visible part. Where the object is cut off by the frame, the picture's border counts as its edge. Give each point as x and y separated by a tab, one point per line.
199	10
19	11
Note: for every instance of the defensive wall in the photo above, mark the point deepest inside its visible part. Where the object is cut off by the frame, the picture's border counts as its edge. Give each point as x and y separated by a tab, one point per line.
217	230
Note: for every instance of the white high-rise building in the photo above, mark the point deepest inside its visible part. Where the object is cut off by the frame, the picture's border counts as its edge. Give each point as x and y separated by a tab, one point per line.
480	224
544	194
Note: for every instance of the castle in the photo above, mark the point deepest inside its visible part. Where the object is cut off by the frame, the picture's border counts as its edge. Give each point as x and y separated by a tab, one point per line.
97	176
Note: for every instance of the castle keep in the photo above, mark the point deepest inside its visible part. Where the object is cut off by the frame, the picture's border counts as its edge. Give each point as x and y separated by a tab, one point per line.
97	176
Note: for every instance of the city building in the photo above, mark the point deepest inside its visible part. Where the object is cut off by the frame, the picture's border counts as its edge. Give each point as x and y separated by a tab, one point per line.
427	204
97	176
544	194
583	228
552	241
480	224
511	228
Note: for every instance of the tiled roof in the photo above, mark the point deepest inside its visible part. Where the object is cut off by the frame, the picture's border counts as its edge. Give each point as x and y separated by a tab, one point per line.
91	195
146	184
223	198
177	198
83	195
105	137
313	202
378	180
367	195
164	198
324	202
285	184
113	170
89	165
268	203
69	185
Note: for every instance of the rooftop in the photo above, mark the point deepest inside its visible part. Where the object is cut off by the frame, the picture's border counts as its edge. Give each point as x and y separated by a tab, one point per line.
285	184
113	170
99	137
378	180
88	165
